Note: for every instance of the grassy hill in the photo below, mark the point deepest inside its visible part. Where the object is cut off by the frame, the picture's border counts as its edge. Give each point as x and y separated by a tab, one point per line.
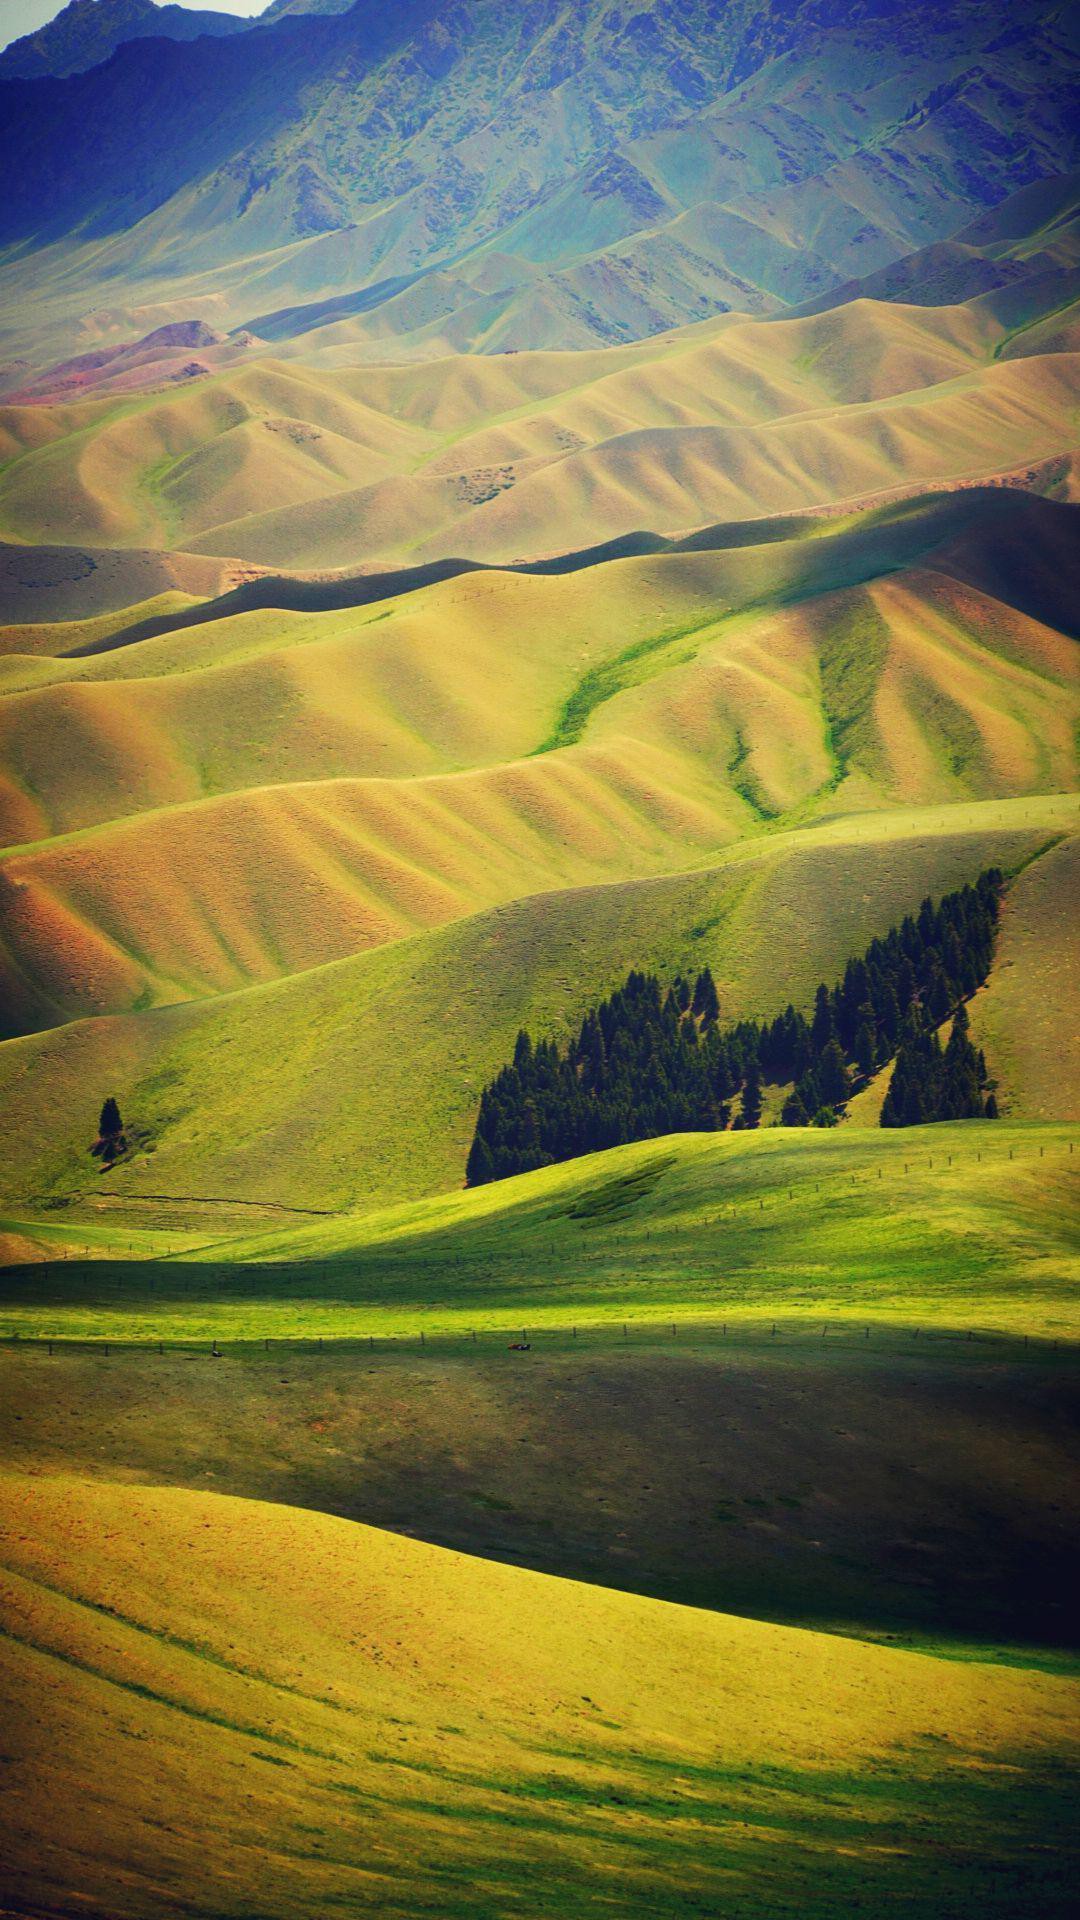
318	461
357	1082
441	751
954	1227
265	1653
513	591
916	1490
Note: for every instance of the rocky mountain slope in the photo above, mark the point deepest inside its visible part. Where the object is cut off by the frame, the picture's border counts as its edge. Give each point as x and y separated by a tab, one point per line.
555	176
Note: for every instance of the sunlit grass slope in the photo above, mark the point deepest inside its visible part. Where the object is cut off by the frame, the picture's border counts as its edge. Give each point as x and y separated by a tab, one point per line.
358	1082
349	1719
965	1226
401	766
286	463
1025	1018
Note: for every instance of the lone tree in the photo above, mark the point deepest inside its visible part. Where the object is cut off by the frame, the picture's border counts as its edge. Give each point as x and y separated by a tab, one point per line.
110	1141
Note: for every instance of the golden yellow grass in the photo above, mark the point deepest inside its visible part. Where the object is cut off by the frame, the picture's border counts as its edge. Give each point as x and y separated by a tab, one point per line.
386	773
322	464
338	1715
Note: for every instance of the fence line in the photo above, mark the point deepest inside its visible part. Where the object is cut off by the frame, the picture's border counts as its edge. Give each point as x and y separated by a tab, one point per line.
880	1337
732	1208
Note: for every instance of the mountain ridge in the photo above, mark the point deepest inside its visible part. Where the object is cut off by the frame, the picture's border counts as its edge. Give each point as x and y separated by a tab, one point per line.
637	171
87	32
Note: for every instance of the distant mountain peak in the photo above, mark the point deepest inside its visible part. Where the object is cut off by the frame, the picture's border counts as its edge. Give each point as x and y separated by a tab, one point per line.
86	32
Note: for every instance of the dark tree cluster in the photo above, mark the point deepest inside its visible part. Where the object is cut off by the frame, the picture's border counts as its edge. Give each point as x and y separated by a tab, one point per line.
932	1082
646	1062
904	984
649	1061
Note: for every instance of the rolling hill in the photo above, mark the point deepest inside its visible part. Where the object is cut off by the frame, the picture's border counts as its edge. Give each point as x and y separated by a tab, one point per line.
492	499
652	714
338	1086
915	1487
317	464
264	1653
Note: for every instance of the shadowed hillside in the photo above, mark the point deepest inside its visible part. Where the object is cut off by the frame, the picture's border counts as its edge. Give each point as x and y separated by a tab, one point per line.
498	736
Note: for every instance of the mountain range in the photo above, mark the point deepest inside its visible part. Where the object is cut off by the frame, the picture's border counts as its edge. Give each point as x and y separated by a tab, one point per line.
469	175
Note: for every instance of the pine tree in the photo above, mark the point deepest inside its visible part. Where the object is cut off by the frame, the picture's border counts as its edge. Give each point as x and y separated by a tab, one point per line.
823	1026
833	1077
750	1107
110	1125
480	1167
645	1062
865	1050
706	999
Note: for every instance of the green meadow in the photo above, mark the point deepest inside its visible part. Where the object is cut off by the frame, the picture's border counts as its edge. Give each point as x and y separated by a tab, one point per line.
955	1227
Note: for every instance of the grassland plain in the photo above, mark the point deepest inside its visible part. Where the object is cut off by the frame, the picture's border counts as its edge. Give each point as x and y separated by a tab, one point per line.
956	1228
556	1748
